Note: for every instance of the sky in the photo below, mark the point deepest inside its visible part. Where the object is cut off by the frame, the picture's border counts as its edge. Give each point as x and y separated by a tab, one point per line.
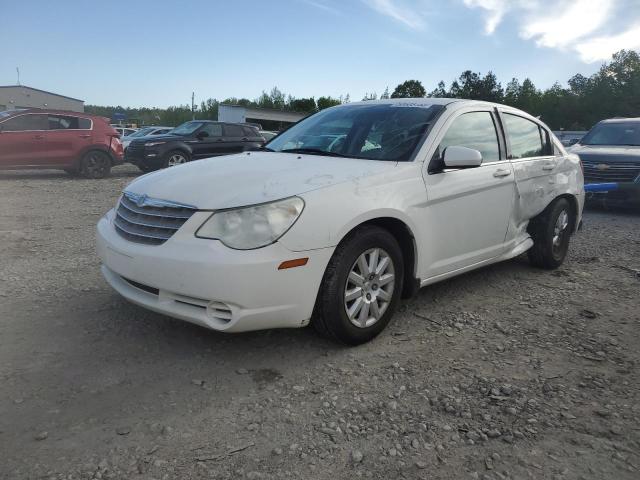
155	53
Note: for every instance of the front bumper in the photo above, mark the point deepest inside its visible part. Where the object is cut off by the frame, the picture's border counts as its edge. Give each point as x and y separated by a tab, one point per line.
204	282
144	157
619	194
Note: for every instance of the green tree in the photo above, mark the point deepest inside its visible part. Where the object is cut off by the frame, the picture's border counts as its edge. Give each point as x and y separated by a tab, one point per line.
409	89
326	102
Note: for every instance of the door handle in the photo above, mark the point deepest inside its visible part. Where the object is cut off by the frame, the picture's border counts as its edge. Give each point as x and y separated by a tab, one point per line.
219	140
85	136
548	166
502	172
245	139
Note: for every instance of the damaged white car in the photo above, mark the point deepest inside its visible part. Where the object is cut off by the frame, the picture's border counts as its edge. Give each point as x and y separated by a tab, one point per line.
342	215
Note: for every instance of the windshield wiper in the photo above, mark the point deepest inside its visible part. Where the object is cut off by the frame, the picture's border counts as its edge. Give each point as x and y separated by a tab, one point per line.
314	151
265	149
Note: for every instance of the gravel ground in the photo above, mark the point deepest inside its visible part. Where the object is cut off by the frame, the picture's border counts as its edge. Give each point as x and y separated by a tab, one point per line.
503	373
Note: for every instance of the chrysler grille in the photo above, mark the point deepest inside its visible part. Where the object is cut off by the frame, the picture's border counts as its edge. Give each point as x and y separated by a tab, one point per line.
150	224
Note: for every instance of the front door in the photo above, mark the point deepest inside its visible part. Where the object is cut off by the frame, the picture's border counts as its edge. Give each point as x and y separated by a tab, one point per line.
23	141
209	142
468	209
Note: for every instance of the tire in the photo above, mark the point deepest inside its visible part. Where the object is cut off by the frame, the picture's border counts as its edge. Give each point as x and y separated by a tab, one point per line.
95	164
331	317
551	232
176	157
146	168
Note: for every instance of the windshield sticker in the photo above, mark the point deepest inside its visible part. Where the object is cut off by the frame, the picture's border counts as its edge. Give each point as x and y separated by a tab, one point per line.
411	105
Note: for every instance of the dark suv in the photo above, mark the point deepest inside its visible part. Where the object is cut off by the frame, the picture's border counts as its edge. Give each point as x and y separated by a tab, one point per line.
610	154
192	141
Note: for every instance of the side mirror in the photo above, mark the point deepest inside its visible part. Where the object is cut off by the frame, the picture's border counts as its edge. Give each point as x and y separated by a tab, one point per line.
462	157
202	135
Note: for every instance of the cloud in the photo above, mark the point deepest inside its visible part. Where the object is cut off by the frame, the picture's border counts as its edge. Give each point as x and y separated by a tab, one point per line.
323	6
496	10
601	48
588	27
563	27
410	17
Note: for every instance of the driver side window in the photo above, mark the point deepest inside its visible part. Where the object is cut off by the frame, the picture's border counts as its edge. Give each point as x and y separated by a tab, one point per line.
473	130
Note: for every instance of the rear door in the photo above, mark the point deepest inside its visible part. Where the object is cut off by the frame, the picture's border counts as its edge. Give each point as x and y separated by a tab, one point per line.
234	138
67	138
23	140
468	209
532	154
209	141
252	138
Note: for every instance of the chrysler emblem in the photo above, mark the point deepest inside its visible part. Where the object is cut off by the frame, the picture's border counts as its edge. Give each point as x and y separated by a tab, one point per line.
603	166
141	200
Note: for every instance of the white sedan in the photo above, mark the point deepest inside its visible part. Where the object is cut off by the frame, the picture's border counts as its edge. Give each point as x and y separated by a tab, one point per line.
336	233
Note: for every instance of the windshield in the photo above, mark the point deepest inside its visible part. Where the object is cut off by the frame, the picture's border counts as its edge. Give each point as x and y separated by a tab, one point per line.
618	133
142	132
186	128
373	132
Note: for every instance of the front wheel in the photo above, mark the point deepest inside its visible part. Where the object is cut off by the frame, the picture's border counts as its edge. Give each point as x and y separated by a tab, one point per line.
361	286
175	157
551	232
95	164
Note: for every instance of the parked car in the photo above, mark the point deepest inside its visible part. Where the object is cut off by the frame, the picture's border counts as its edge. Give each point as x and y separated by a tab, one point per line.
145	132
74	142
610	154
192	140
267	135
418	191
125	131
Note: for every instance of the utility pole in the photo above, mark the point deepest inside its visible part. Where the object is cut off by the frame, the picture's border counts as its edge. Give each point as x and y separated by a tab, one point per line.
193	106
18	70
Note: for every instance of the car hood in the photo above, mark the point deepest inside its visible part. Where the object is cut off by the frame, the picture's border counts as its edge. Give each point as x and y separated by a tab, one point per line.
251	178
607	153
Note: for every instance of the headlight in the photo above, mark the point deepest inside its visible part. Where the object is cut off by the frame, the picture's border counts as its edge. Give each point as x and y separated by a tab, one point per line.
153	144
252	227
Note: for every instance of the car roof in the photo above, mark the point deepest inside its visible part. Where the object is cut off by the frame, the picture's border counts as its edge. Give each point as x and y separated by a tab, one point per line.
56	112
621	120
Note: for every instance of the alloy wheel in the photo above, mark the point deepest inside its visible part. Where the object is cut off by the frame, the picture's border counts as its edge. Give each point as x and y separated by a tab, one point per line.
369	288
176	159
560	230
96	165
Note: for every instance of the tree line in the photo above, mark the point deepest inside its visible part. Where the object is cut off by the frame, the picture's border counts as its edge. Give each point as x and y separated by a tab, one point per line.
613	91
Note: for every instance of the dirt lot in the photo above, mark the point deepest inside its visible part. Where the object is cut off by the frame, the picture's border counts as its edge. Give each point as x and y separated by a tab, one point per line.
506	372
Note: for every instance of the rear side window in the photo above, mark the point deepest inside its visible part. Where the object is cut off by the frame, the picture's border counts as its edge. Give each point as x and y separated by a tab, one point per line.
233	131
250	132
63	122
24	123
213	129
474	130
525	137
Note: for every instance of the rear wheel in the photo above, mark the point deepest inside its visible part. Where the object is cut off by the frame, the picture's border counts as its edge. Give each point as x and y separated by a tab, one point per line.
551	232
175	157
361	287
95	164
